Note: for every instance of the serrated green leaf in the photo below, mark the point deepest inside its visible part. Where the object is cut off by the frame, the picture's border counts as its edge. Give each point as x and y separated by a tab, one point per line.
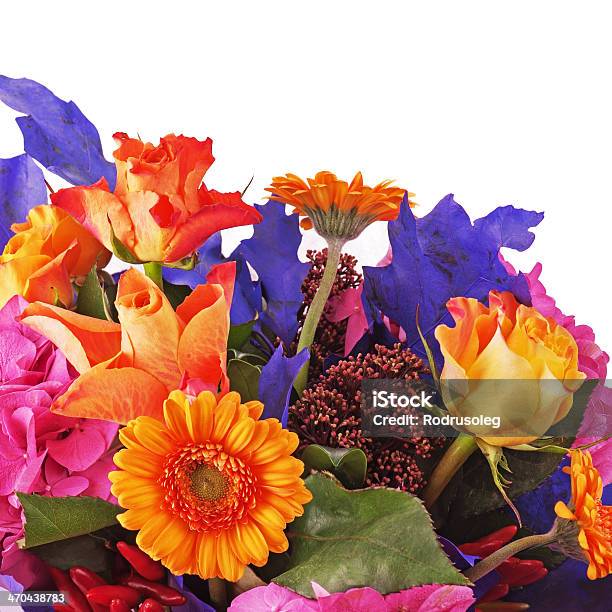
244	378
348	465
50	519
381	538
91	300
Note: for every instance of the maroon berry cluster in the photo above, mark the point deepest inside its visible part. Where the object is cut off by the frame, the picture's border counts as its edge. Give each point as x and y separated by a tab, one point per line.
329	413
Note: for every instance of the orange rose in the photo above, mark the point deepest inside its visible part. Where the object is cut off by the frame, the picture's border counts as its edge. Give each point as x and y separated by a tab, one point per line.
160	211
48	250
508	361
128	368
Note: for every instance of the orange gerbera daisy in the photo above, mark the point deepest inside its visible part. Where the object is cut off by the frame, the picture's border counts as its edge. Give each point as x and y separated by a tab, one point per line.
593	520
334	207
211	488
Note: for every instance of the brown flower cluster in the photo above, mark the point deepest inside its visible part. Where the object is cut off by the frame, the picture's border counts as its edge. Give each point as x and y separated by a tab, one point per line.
329	414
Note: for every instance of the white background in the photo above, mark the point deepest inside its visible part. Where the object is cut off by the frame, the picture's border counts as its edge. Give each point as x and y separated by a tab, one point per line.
496	102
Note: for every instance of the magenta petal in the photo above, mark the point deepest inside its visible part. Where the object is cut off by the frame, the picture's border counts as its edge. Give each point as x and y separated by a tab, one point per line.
20	429
80	449
356	600
271	598
431	598
73	485
30	476
348	305
16	354
97	477
10	469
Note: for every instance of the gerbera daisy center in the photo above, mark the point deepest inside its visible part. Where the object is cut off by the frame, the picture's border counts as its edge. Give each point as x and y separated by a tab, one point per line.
208	483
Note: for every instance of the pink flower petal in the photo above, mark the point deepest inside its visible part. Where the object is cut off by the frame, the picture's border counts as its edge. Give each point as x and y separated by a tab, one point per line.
71	486
80	449
271	598
431	598
364	599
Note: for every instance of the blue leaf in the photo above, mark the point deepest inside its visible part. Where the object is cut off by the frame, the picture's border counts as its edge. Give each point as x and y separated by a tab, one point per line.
22	186
537	507
56	133
276	382
444	255
566	589
272	251
246	303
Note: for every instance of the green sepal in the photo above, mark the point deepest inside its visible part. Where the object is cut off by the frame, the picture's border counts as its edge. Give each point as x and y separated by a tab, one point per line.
430	358
497	462
187	263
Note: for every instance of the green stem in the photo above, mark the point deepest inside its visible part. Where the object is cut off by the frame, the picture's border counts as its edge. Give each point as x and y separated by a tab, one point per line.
454	457
315	310
488	564
153	269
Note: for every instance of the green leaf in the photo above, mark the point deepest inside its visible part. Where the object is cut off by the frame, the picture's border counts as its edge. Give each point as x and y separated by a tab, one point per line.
252	358
382	538
244	378
91	300
472	491
239	334
50	519
348	465
91	550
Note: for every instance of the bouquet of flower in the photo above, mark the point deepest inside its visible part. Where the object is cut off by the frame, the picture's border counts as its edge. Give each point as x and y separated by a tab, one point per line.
186	428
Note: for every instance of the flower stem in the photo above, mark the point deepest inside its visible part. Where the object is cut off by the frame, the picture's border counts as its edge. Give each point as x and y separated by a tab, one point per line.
218	593
454	457
315	310
488	564
153	269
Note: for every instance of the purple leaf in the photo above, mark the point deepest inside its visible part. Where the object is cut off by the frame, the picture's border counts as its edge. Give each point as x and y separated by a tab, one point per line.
276	382
56	133
272	251
194	604
444	255
22	186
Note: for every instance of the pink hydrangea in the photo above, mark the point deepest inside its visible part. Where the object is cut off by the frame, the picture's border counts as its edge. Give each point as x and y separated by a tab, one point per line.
40	452
429	598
